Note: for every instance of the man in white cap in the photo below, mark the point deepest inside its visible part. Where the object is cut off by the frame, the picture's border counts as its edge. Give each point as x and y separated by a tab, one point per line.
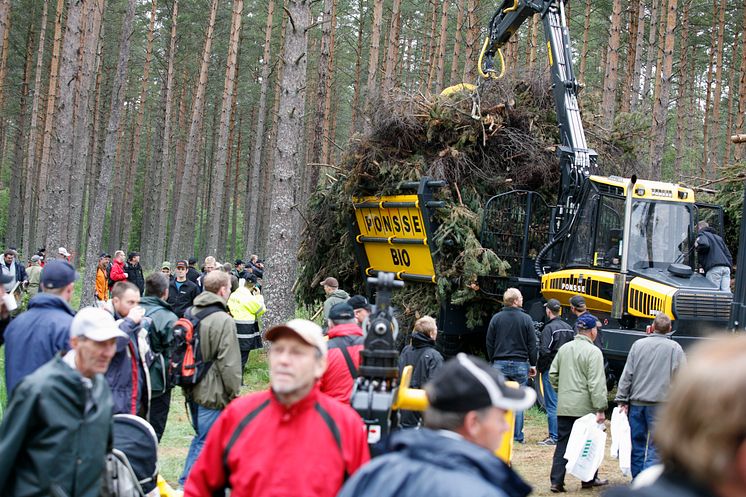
286	438
453	455
62	253
58	422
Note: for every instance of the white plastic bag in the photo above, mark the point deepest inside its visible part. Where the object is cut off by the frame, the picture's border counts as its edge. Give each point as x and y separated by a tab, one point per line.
621	441
585	448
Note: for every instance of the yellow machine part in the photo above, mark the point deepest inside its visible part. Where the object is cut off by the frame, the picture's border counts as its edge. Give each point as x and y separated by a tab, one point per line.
461	87
414	399
646	299
648	189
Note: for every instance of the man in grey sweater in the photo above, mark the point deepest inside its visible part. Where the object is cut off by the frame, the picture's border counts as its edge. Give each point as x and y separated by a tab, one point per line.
644	385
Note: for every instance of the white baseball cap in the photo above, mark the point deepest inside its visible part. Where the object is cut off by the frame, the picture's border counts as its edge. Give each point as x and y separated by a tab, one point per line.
306	330
63	251
95	324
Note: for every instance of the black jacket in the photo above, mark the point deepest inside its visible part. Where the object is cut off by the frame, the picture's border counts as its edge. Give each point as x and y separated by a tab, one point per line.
193	275
712	250
511	337
555	334
134	276
50	443
427	462
181	299
421	354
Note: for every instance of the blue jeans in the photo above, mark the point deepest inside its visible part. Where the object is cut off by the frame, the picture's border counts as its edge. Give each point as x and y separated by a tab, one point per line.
516	371
202	420
550	404
641	420
720	276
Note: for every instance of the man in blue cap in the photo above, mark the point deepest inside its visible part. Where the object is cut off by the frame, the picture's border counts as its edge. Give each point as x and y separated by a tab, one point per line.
577	374
35	336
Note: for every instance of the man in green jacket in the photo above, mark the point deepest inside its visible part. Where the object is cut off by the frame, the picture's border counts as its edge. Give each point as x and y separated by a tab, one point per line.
56	431
577	374
159	324
219	345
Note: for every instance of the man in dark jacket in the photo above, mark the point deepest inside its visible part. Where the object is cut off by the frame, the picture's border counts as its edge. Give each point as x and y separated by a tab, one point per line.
181	290
454	454
34	337
134	271
556	333
345	344
193	273
55	433
714	256
425	360
511	345
127	373
160	337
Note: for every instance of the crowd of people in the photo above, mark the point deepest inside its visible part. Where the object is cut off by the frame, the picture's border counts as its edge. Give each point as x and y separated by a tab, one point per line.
67	373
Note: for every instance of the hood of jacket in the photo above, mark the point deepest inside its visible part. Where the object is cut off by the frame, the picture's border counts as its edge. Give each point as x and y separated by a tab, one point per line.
347	329
340	294
449	453
205	299
150	301
49	301
420	340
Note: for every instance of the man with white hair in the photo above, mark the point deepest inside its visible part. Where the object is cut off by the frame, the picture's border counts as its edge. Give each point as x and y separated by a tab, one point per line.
287	438
58	423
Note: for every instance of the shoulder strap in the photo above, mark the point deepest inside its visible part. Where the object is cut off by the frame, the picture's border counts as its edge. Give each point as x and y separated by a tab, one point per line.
335	433
212	309
237	433
339	344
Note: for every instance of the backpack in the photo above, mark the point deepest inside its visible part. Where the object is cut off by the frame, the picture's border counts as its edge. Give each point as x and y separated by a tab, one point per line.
187	366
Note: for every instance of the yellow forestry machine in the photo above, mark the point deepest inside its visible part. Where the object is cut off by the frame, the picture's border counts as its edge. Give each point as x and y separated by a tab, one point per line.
626	245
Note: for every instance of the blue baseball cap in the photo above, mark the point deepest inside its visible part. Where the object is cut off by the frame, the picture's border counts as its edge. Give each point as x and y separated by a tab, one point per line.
58	274
587	321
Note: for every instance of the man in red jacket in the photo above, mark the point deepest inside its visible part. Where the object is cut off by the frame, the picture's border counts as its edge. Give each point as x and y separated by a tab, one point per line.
345	343
286	441
116	272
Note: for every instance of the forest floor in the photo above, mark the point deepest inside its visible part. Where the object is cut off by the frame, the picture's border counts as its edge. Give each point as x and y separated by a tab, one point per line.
531	461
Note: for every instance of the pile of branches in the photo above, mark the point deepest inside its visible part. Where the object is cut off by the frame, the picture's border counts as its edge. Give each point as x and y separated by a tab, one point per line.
502	136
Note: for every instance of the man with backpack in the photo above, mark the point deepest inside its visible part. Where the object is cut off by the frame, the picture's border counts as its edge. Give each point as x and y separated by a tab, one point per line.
556	333
160	336
218	347
345	344
291	439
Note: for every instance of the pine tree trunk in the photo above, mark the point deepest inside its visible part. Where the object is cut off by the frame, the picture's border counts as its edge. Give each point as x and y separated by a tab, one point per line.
265	185
652	51
456	59
660	106
252	203
221	162
586	36
31	166
371	94
44	167
472	41
180	241
608	101
235	252
432	58
15	208
134	158
740	149
165	167
534	41
358	71
715	136
328	128
5	29
58	228
392	55
633	15
283	219
320	123
732	83
442	48
93	15
107	164
637	71
705	167
685	84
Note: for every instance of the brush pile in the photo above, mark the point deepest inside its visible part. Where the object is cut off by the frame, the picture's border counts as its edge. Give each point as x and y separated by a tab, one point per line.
502	136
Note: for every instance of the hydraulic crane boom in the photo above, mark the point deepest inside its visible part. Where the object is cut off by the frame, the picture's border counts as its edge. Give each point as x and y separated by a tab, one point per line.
577	161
